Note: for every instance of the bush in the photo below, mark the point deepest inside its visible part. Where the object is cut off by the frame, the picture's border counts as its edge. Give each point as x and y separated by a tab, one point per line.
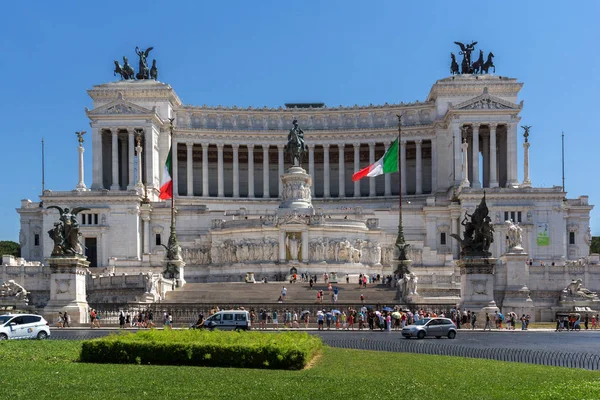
287	350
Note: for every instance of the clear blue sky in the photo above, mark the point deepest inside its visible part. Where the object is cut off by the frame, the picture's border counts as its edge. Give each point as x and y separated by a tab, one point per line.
270	52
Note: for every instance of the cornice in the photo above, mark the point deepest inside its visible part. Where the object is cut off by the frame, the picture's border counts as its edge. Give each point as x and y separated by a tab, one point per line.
301	111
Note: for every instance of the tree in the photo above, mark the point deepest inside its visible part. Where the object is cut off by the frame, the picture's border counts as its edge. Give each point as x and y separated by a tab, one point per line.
9	248
595	246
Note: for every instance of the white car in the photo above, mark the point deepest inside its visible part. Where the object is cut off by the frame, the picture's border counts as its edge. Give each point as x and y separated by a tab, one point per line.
23	326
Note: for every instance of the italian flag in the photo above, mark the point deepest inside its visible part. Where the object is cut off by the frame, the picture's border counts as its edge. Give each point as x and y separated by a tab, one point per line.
386	164
166	185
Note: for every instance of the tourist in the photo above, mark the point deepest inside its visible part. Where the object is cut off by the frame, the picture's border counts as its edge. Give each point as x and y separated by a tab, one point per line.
252	318
388	320
328	318
283	293
473	320
594	321
586	321
306	319
170	321
92	318
320	317
325	277
310	283
275	322
128	320
97	320
362	299
288	318
351	320
295	319
121	320
361	320
319	298
488	324
66	320
344	318
59	320
347	278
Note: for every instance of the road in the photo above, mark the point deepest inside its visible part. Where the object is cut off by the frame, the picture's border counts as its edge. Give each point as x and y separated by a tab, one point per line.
540	340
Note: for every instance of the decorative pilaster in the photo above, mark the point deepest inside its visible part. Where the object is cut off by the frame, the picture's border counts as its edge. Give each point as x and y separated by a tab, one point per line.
457	140
493	157
251	171
266	189
475	160
326	172
123	167
342	171
419	177
220	183
236	170
356	168
205	192
190	167
115	159
465	167
372	192
97	173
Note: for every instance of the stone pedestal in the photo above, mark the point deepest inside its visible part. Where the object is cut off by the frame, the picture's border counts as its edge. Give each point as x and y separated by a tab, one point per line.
516	292
67	288
477	286
296	194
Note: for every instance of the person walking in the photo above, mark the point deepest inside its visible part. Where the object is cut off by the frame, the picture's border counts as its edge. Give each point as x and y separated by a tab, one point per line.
362	299
523	323
66	320
473	320
283	294
488	324
121	320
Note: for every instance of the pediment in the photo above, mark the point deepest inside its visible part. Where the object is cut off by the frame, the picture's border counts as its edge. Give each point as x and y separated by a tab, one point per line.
486	101
119	106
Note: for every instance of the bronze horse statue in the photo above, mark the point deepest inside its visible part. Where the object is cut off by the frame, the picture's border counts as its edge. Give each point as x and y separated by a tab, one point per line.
489	63
453	65
477	65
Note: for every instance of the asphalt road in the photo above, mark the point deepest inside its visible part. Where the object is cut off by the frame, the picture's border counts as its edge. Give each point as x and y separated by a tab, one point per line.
543	340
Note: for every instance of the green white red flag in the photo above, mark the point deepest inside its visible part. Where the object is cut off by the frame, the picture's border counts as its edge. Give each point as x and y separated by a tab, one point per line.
386	164
166	185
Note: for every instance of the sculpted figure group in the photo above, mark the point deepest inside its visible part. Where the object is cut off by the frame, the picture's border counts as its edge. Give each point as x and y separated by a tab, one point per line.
477	67
65	233
126	71
478	234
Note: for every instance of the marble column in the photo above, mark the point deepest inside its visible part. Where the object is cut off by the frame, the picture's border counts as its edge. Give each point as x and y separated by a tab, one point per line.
130	159
190	167
205	192
454	230
526	180
266	188
511	151
236	170
356	168
465	166
457	140
403	165
475	182
387	177
115	159
419	161
326	172
146	249
372	192
434	166
311	166
220	182
81	185
485	151
280	164
493	157
139	149
123	166
342	171
97	175
251	171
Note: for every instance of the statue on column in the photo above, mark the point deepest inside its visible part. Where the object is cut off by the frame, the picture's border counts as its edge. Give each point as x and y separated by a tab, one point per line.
295	146
65	233
80	137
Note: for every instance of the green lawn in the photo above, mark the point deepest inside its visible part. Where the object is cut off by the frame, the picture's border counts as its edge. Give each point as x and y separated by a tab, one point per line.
48	369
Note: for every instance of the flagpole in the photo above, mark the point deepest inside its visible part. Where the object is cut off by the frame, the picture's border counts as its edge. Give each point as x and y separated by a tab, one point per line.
43	166
563	161
172	180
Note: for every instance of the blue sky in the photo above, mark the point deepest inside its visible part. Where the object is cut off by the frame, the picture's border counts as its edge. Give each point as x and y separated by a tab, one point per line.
271	52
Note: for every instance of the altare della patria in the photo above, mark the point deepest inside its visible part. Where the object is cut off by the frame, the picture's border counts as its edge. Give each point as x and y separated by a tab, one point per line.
262	194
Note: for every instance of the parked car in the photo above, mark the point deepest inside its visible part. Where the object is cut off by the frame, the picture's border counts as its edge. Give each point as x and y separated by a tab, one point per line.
229	320
437	327
23	326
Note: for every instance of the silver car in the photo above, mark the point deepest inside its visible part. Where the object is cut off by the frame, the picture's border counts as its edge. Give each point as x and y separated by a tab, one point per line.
437	327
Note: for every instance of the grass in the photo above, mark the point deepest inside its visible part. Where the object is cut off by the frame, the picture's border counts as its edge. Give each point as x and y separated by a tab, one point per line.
48	370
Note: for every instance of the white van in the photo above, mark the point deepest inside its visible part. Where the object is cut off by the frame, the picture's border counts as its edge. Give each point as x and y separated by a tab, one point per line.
228	320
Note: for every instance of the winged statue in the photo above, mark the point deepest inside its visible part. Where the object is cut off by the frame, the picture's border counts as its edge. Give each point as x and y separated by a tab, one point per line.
65	233
465	51
143	67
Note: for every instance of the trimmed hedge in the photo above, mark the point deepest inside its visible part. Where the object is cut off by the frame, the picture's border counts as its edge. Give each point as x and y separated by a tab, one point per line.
286	350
